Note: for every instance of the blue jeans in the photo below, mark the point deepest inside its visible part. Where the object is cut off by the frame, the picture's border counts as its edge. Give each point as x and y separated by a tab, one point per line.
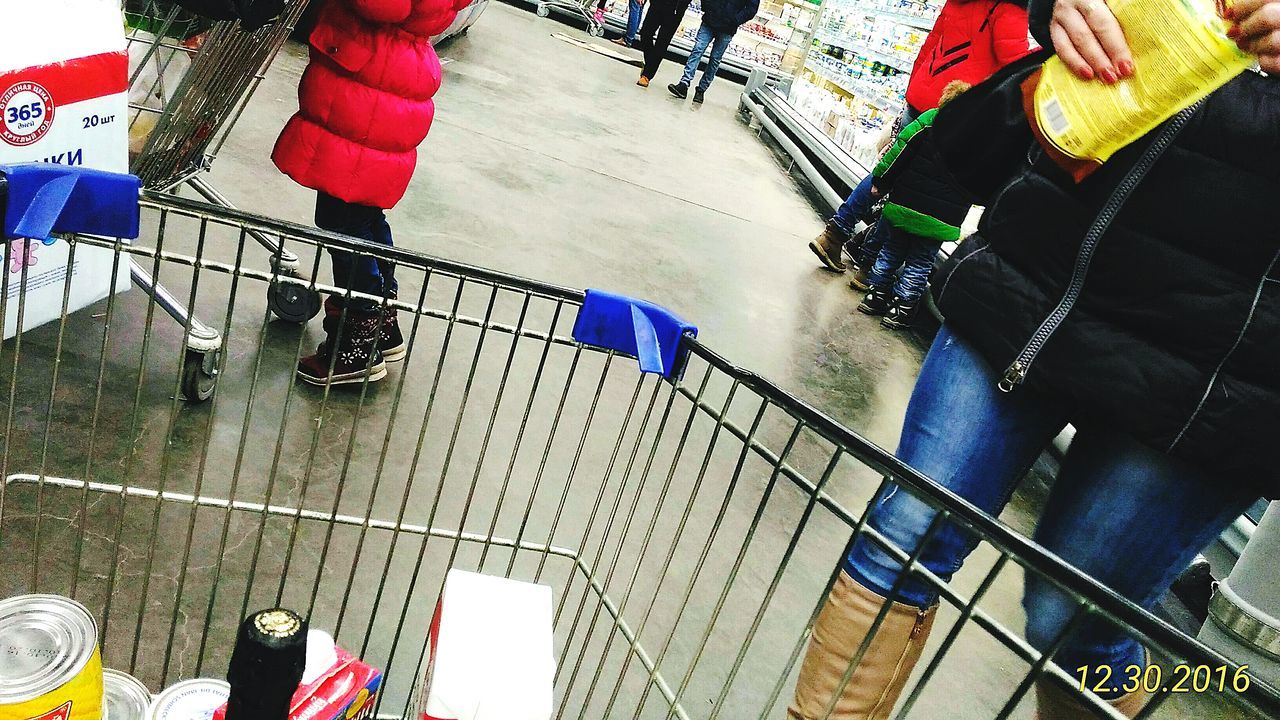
634	12
1130	516
359	273
719	42
912	253
856	206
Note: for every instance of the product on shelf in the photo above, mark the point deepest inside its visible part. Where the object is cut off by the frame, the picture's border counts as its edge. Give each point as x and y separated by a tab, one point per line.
51	668
854	79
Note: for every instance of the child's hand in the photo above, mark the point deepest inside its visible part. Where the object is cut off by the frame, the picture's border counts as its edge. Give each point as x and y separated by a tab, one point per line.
875	191
1257	30
1089	40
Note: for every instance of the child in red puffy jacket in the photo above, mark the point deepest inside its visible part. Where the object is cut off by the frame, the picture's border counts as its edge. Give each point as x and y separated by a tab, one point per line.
366	105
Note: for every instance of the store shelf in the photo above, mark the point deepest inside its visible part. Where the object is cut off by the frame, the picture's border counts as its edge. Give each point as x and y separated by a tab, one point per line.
749	37
854	87
847	43
903	19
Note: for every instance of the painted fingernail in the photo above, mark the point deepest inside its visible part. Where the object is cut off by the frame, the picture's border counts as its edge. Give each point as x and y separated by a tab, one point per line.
1086	73
1233	32
1108	76
1229	12
1126	68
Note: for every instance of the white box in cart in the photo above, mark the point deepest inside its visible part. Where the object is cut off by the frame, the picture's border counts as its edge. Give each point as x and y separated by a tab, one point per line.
64	81
492	654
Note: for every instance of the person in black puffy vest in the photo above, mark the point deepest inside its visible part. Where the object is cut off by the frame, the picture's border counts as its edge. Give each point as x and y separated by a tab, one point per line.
1141	305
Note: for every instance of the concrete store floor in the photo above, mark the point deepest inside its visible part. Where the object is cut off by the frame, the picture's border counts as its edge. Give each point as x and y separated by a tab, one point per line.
545	161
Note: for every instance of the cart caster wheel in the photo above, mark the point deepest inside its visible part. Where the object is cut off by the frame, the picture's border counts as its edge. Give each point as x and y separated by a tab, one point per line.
293	303
543	11
199	375
597	31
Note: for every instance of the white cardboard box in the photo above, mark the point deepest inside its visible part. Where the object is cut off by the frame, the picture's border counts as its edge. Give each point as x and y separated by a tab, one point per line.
493	656
64	77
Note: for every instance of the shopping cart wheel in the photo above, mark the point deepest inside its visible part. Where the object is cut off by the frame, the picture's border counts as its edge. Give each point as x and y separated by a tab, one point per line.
596	30
199	375
543	10
292	302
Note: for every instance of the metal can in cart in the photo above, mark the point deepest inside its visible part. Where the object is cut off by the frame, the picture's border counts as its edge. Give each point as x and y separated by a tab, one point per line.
190	700
50	668
124	697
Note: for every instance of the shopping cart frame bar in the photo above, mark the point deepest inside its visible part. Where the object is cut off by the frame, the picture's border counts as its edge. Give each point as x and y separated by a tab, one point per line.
1089	596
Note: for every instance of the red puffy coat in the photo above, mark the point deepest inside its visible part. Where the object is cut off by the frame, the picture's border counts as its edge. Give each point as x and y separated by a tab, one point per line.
970	40
366	98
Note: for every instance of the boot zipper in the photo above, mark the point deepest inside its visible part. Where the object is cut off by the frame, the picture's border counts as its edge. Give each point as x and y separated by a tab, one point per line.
1016	373
915	629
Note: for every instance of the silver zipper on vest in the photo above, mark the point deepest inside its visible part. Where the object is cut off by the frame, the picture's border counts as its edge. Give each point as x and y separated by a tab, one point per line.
1017	371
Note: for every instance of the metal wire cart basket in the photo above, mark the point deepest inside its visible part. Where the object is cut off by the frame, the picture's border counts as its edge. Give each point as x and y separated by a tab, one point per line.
688	518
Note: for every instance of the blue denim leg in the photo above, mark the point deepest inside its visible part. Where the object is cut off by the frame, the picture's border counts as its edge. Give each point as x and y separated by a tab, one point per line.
718	48
894	251
856	206
700	43
1131	517
634	11
965	434
917	265
866	255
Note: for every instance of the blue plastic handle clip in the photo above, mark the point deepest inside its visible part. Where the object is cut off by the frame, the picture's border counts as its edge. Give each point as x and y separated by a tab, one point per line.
649	332
42	199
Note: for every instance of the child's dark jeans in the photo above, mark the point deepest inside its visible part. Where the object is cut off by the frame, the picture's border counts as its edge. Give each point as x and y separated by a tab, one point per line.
353	271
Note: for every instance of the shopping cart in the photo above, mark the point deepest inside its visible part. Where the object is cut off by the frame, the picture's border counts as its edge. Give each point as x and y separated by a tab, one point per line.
688	518
190	80
584	9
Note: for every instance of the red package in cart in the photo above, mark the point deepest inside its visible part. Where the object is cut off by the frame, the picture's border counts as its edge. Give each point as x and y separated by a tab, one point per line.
341	688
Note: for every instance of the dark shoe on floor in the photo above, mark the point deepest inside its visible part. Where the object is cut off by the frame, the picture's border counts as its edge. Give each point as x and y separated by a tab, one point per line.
827	247
391	341
643	81
901	315
859	280
347	357
877	302
680	90
699	95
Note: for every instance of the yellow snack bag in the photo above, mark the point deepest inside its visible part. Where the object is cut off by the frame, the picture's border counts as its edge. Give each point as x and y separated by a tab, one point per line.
1182	54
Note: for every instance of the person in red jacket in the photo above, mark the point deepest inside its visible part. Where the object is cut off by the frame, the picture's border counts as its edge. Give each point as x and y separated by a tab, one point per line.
970	40
365	106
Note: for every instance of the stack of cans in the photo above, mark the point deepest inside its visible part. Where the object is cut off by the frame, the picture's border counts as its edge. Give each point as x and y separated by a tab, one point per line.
51	669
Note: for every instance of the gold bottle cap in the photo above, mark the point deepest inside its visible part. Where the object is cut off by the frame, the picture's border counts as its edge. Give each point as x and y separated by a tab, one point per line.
277	624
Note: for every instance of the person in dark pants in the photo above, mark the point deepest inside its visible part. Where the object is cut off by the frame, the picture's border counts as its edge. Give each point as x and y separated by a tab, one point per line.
660	25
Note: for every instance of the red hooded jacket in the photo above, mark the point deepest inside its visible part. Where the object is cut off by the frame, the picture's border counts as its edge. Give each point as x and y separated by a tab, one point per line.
366	98
970	40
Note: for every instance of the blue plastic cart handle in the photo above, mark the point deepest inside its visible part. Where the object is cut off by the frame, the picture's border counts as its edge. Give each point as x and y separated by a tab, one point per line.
42	199
649	332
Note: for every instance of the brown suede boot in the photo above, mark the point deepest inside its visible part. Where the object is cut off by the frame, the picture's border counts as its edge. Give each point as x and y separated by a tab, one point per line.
828	245
882	674
1054	703
347	357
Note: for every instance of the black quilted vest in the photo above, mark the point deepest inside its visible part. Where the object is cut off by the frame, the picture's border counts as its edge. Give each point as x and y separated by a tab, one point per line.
1164	324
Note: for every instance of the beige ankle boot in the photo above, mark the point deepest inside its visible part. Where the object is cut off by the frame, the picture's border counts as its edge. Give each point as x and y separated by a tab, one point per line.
879	679
828	246
1054	703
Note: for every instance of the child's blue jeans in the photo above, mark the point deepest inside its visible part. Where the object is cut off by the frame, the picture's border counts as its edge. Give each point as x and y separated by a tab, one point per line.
1130	516
912	253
